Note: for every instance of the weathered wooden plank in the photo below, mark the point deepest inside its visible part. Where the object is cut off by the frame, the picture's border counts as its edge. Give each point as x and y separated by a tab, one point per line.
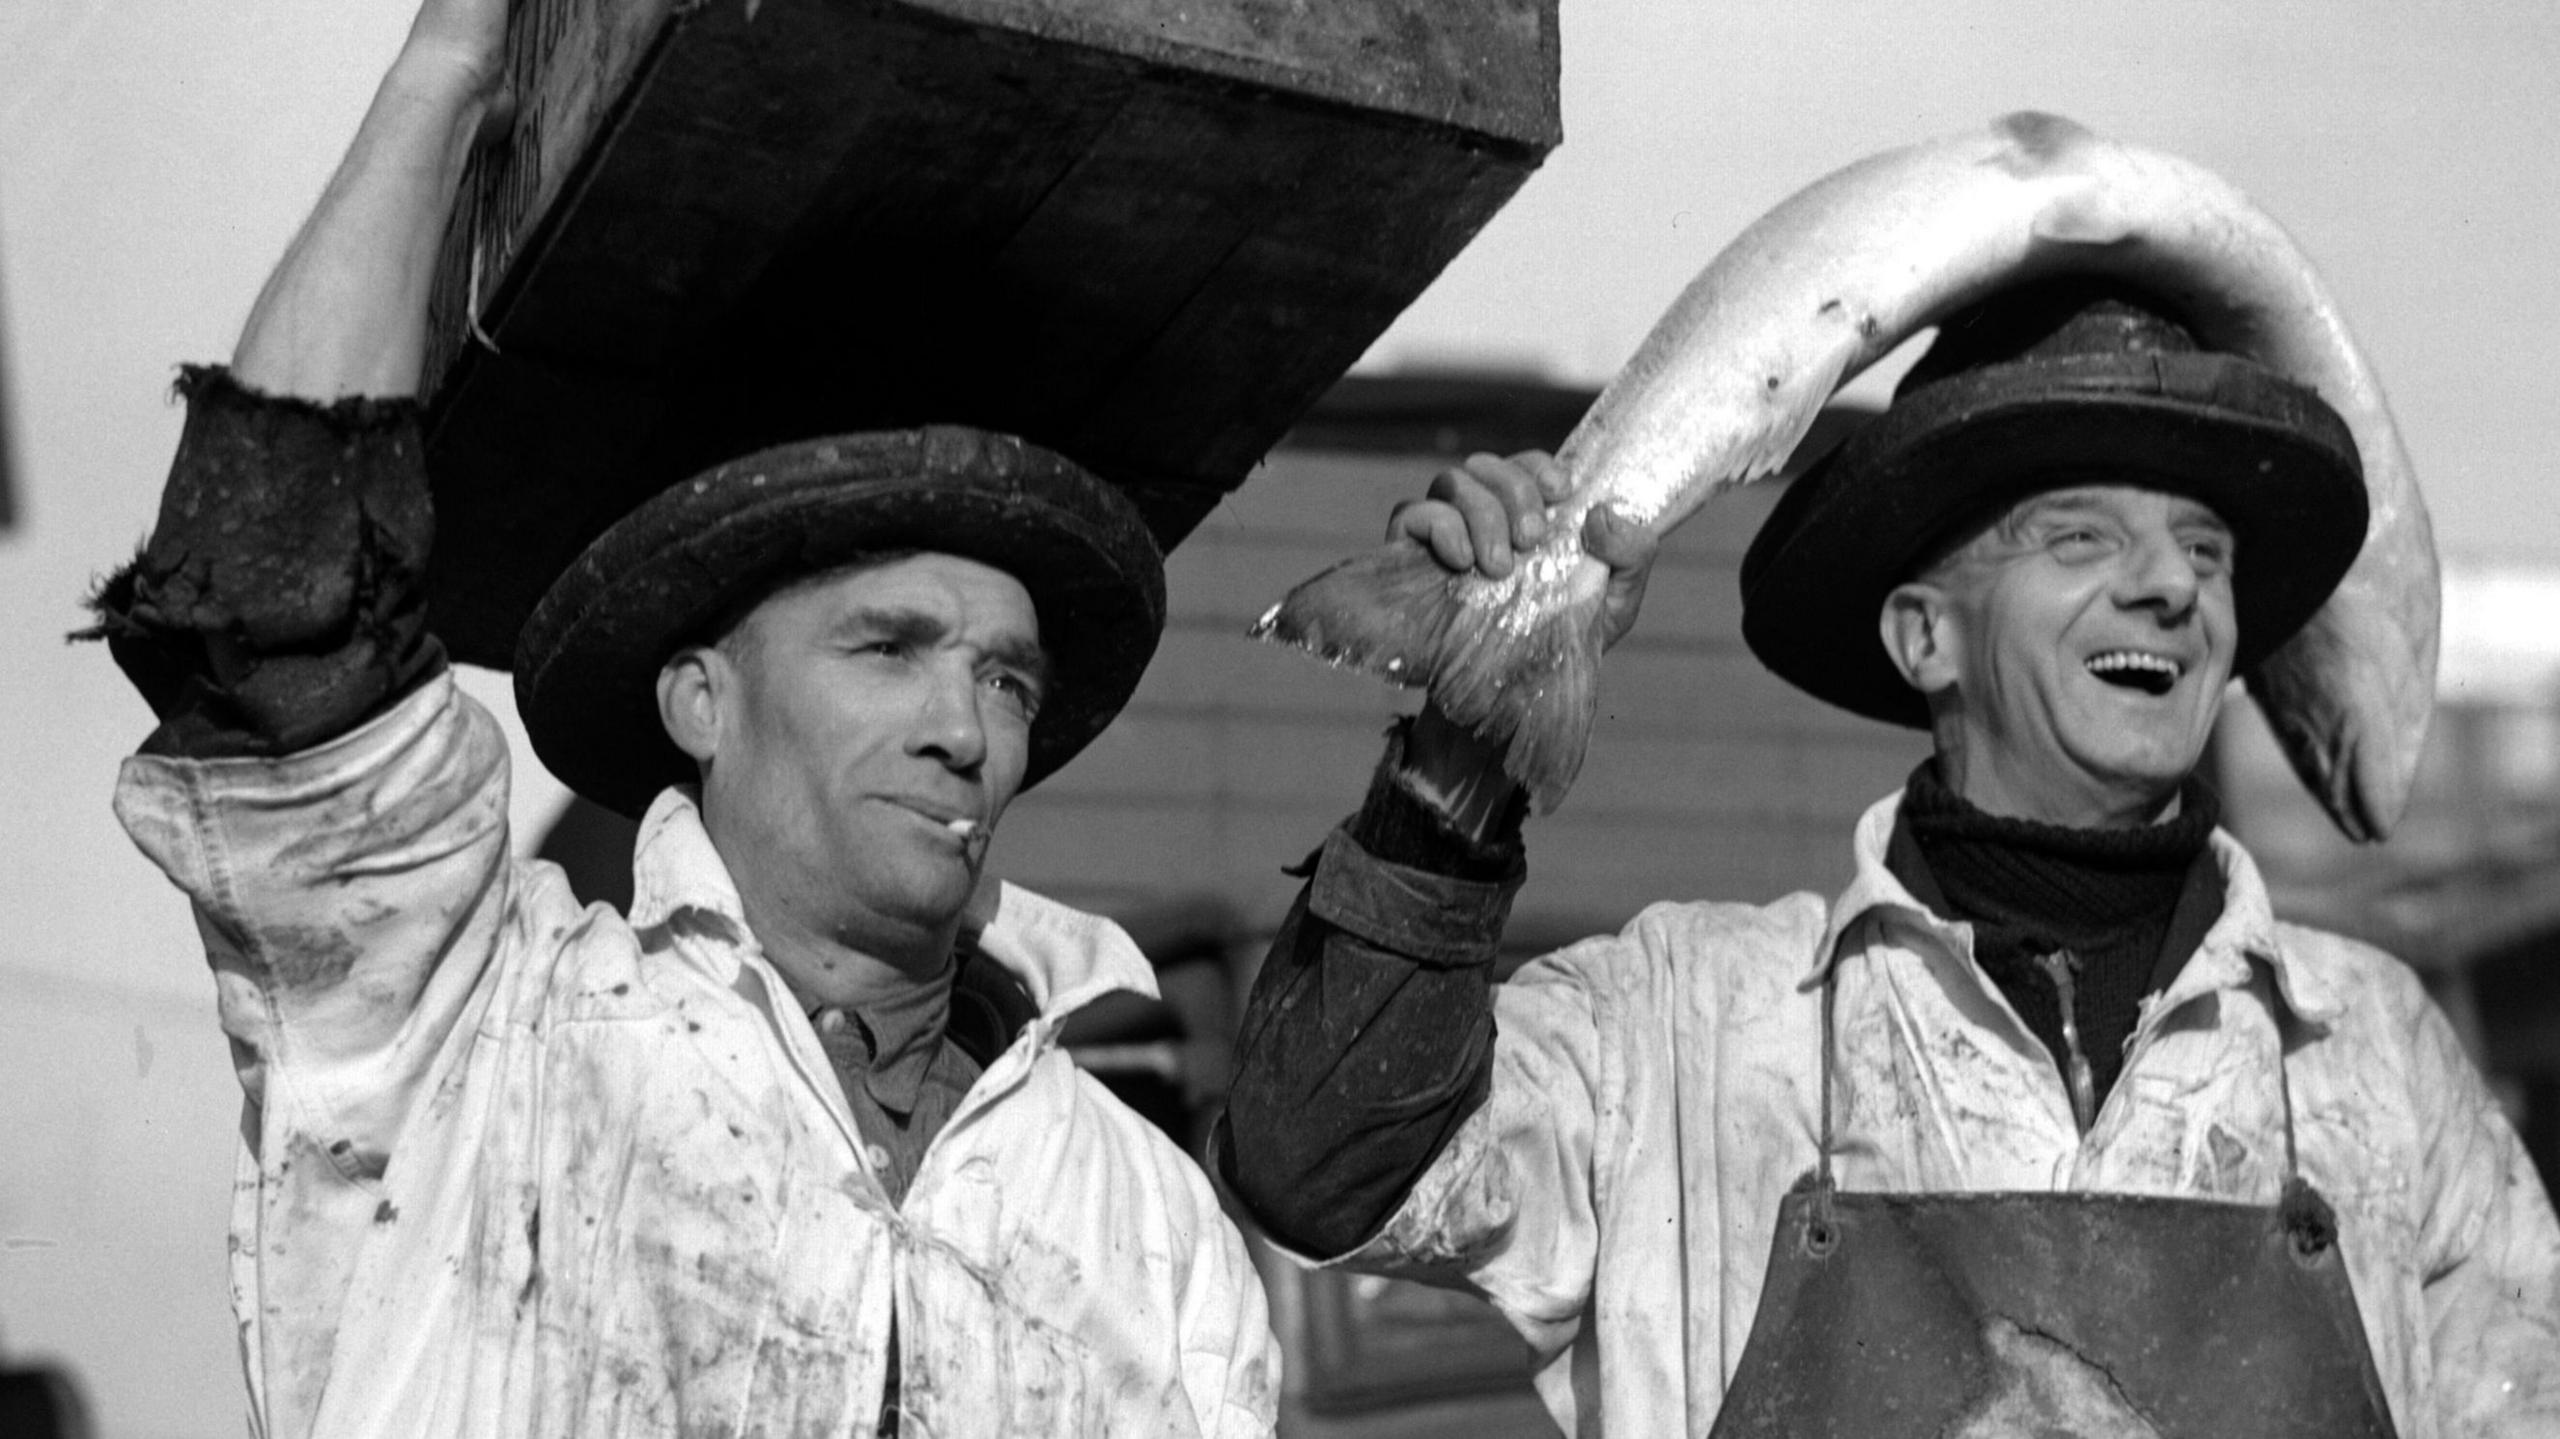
1144	232
1487	65
568	64
1698	695
1065	847
1720	693
1598	874
1213	670
1257	757
1587	875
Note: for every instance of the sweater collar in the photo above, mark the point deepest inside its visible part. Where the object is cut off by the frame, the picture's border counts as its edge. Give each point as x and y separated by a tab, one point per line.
1951	829
2243	938
2048	886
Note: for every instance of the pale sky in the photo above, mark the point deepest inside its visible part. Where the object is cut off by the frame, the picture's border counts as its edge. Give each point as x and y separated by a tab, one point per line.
155	155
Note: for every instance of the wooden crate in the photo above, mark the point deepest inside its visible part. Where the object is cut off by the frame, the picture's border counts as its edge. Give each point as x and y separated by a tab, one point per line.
1147	233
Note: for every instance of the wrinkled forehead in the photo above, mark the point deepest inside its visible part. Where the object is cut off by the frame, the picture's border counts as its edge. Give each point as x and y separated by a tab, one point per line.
2113	498
2003	527
921	582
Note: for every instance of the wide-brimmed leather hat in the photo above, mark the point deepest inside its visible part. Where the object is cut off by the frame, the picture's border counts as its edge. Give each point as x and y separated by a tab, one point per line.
703	551
2040	387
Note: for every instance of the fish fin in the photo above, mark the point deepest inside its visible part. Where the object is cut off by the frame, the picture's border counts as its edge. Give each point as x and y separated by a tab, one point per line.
2317	741
2350	717
1381	613
1533	693
1395	613
2040	137
2085	216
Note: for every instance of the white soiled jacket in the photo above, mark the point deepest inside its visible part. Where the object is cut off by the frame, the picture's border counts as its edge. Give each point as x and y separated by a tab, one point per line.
1654	1096
515	1166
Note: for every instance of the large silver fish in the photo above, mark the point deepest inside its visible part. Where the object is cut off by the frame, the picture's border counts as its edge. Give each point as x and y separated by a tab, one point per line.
1817	290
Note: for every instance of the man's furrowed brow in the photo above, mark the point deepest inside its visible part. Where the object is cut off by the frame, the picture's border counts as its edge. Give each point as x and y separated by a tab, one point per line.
2073	504
2194	515
923	627
889	622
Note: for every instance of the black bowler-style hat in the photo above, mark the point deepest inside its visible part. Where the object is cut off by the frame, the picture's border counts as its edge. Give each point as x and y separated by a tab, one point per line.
587	661
2057	383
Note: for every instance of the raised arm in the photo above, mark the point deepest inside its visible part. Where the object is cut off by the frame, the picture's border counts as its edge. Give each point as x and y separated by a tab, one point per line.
333	808
1369	1038
276	604
345	311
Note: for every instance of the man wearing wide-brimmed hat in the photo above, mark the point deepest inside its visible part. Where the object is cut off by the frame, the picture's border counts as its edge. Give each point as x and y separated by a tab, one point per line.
791	1147
2046	1125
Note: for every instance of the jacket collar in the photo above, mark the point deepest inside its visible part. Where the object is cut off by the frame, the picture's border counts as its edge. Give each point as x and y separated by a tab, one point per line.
2244	936
1064	957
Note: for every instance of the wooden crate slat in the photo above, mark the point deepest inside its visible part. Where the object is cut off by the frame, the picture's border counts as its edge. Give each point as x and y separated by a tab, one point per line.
1148	233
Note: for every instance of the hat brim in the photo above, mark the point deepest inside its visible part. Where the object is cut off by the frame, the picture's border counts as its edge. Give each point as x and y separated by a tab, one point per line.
2267	456
587	661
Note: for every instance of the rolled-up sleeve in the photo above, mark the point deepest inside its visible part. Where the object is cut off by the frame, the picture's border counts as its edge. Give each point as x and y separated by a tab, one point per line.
1358	1057
352	899
1507	1207
1369	1035
279	601
349	896
1398	1112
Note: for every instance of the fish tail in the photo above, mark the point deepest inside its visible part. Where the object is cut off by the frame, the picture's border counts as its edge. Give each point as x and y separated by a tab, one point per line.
2347	699
1523	675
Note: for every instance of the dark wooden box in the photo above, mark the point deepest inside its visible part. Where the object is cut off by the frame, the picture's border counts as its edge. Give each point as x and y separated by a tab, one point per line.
1147	233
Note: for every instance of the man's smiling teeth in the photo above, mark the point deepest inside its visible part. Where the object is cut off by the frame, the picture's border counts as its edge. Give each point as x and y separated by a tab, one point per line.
961	827
2153	674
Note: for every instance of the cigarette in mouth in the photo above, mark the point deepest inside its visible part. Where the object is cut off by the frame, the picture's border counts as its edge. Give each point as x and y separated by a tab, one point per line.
973	838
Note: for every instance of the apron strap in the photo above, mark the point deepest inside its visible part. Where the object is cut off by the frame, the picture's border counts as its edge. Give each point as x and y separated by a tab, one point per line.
2281	1018
1821	1234
2308	1218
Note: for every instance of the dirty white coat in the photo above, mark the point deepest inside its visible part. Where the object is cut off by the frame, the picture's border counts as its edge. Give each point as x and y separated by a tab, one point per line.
516	1166
1654	1096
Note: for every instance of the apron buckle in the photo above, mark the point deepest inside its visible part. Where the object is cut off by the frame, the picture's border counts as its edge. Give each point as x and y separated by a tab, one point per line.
2308	1222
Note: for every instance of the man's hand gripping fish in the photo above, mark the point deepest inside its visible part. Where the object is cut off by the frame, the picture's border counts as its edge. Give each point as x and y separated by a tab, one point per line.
1811	294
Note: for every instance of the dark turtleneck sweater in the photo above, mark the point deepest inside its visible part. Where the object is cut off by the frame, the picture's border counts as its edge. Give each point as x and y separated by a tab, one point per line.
2111	915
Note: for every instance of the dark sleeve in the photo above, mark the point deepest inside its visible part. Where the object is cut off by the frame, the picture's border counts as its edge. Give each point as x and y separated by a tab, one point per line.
278	602
1369	1035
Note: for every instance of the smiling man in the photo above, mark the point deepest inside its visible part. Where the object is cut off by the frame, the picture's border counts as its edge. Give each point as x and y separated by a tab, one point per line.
2080	644
2046	1125
792	1147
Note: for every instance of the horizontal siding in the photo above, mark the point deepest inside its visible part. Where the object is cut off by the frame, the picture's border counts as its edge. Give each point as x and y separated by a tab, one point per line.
1252	758
1707	777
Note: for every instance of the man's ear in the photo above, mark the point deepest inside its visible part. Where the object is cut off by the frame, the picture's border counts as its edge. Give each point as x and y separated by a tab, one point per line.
691	685
1919	636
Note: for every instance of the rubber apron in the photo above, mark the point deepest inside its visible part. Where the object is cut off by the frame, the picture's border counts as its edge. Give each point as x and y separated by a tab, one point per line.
2097	1316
